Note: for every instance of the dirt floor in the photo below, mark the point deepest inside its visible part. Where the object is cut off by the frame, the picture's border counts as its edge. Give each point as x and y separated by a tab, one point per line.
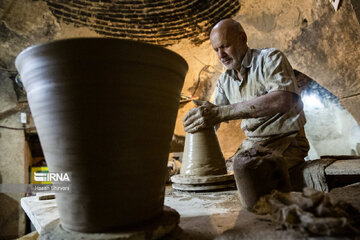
218	215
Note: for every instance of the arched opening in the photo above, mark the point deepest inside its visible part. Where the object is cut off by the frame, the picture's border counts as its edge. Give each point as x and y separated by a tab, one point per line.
330	128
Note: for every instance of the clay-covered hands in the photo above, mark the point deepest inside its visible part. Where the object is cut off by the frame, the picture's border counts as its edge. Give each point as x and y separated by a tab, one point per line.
205	115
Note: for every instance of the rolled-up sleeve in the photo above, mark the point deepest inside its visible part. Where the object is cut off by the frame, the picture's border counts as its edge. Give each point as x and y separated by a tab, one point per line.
278	73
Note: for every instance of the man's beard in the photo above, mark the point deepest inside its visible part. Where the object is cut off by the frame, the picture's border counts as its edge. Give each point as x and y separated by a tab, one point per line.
231	65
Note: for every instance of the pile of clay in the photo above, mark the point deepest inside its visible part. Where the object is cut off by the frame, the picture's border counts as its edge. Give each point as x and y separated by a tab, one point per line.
311	211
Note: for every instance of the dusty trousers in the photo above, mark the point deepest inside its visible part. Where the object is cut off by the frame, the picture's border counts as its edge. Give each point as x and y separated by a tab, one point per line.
257	172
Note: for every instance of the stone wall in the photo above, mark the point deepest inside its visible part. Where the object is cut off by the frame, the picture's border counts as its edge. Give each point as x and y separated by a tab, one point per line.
13	167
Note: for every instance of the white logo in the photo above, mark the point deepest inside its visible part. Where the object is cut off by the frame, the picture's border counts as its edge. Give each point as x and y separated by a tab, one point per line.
51	177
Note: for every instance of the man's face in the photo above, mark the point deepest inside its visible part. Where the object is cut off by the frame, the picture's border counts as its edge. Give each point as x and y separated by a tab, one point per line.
230	47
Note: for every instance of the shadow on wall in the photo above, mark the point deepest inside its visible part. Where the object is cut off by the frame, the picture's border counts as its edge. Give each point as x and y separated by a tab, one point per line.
330	128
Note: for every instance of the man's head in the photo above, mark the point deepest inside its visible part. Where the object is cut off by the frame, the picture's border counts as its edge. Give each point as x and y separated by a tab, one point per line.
229	40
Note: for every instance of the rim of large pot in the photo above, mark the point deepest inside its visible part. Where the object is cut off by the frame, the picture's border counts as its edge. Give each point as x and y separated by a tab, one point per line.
139	43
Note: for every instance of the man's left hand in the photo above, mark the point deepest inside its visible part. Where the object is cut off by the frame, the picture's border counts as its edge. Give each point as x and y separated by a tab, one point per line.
205	115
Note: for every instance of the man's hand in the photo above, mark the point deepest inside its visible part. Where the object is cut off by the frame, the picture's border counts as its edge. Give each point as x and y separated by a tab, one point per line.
205	115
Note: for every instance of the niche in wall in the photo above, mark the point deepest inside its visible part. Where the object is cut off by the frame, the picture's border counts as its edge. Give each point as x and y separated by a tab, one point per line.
36	155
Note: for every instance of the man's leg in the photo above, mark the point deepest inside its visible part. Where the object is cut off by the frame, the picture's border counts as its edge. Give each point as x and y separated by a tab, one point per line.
257	172
295	155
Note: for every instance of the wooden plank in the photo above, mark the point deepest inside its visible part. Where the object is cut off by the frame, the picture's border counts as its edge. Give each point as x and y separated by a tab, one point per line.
344	167
42	213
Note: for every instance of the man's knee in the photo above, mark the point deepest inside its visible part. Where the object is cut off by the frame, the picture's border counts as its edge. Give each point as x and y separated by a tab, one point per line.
258	173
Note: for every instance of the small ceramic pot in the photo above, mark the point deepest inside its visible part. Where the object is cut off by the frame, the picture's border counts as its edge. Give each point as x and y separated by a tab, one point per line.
202	154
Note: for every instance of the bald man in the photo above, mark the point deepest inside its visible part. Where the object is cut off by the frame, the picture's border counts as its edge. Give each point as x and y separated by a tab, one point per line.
260	88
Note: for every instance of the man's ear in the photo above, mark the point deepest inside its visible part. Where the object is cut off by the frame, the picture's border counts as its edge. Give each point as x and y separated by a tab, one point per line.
243	37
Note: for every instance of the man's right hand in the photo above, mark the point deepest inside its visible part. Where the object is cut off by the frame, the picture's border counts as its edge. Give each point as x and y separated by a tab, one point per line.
205	115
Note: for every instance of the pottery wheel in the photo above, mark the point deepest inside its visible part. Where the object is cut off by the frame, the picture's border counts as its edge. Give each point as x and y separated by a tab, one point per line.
203	183
155	229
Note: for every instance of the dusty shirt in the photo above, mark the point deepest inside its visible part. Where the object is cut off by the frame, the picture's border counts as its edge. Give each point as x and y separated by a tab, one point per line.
264	71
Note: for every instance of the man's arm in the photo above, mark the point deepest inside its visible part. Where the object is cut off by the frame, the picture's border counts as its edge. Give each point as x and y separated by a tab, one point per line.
207	114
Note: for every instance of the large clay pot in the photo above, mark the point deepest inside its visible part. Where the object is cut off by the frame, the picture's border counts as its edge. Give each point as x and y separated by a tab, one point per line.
202	154
105	111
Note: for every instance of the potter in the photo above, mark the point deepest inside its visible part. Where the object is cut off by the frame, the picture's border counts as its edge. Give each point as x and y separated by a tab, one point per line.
260	88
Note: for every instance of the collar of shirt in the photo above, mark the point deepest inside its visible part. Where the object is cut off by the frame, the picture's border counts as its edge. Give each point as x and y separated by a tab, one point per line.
246	62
